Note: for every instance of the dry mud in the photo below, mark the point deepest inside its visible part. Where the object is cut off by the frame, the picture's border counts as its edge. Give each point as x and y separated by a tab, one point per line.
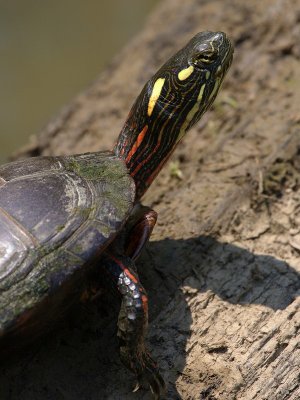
222	269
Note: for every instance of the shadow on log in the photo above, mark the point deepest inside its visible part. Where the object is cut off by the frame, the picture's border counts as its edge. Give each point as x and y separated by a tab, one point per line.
222	271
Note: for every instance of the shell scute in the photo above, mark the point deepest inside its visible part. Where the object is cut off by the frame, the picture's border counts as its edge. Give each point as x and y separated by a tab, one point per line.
55	221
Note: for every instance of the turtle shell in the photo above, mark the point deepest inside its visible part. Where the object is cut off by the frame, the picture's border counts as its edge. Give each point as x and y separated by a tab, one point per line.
57	214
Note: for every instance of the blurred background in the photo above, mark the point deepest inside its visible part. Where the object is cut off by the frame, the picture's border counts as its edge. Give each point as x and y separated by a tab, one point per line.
51	50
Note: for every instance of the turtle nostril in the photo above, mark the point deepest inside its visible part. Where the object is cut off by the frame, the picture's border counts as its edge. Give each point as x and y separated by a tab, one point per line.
219	38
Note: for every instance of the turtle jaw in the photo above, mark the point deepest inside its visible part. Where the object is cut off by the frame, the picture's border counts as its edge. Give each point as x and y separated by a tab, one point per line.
171	102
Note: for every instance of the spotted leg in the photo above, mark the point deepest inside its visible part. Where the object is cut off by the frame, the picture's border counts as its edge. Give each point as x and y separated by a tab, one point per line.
133	316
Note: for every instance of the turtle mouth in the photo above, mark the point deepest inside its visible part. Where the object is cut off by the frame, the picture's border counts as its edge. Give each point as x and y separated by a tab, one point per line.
227	60
225	63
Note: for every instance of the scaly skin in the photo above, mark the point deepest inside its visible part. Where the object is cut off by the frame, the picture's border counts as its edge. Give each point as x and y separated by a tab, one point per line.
171	102
169	105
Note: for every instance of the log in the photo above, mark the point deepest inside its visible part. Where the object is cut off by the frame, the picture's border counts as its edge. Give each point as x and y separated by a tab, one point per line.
222	268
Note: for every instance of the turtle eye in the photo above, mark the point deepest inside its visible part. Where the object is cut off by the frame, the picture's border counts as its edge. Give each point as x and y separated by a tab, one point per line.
207	57
204	57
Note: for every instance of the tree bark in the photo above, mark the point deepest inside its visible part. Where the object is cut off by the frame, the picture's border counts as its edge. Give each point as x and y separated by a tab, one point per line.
222	269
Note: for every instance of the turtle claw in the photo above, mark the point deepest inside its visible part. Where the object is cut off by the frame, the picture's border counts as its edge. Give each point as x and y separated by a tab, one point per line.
136	388
157	386
150	376
147	373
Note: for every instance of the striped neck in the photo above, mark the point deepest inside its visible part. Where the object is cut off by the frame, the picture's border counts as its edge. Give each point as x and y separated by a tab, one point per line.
170	103
149	135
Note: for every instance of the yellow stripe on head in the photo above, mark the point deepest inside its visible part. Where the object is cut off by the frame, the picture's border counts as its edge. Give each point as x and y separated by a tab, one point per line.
200	95
191	113
185	73
215	89
156	91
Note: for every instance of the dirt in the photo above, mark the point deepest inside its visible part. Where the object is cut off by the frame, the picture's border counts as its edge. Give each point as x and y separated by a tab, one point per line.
222	269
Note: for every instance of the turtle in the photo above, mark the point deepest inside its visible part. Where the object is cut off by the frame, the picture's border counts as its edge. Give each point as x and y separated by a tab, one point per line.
66	218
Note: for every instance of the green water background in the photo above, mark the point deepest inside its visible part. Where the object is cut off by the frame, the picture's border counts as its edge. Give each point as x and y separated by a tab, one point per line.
50	50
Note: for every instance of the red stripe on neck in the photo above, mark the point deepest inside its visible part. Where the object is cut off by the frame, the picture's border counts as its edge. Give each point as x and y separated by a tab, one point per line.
137	143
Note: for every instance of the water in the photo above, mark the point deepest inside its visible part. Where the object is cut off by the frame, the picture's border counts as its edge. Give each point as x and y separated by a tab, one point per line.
50	50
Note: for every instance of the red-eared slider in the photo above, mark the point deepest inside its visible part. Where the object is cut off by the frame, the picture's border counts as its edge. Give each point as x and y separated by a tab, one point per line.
62	217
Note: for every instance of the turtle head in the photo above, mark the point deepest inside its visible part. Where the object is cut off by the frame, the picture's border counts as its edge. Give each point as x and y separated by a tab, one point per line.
171	102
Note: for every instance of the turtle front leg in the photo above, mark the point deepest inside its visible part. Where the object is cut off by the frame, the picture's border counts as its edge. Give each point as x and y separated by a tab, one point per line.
133	316
139	228
133	322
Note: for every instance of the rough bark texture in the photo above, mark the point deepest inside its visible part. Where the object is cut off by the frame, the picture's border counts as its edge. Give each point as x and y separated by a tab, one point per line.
222	269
